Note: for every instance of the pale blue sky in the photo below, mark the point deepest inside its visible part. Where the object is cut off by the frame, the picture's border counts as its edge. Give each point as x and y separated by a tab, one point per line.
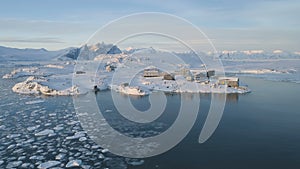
231	24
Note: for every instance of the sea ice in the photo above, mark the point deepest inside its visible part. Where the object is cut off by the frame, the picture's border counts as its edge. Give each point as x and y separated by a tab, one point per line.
44	132
26	165
48	164
76	136
82	139
60	156
34	101
37	157
135	162
33	128
73	163
14	164
104	150
13	136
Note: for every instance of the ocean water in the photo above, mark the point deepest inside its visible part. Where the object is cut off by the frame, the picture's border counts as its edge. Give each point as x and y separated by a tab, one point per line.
257	130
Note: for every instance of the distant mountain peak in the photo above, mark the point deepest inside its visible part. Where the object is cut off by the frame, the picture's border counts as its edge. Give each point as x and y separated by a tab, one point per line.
89	52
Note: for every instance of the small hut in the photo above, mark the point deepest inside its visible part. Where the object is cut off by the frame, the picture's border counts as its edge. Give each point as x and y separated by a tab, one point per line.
229	81
168	76
200	76
210	73
152	72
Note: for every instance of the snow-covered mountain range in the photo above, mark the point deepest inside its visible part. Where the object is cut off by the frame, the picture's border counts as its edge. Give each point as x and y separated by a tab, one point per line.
72	53
15	54
90	52
258	54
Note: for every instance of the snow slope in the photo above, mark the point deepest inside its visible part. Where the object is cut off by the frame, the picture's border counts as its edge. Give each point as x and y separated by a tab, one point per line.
14	54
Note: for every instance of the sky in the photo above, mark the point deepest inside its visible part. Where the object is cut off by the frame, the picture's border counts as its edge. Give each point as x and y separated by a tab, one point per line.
230	24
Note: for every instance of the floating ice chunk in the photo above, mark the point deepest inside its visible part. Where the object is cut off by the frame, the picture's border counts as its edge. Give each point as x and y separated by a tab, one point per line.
101	156
74	163
48	164
28	141
63	150
45	132
76	135
2	127
26	165
14	164
85	166
1	162
82	139
60	156
35	101
20	72
54	66
7	76
36	158
33	128
51	134
57	128
21	158
104	150
134	162
95	147
13	135
11	146
108	111
72	122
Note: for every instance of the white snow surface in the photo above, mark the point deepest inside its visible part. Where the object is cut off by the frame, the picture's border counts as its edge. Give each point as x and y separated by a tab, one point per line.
32	86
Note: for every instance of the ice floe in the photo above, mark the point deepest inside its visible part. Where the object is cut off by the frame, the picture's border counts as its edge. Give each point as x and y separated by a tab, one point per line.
60	156
35	101
73	163
54	66
21	72
76	136
33	128
134	162
14	164
46	132
48	164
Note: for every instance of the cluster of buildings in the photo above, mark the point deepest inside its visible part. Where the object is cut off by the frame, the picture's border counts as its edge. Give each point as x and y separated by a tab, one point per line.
199	76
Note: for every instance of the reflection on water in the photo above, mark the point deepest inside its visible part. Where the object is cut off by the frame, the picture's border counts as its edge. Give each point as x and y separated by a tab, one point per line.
232	97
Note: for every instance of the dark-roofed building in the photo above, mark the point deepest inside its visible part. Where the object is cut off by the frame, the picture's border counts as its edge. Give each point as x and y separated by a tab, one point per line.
152	72
229	81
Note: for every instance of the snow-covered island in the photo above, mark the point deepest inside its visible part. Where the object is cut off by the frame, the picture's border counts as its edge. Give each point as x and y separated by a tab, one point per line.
182	81
116	70
133	72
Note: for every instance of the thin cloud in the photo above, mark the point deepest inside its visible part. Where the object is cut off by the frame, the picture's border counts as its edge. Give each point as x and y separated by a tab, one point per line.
32	40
